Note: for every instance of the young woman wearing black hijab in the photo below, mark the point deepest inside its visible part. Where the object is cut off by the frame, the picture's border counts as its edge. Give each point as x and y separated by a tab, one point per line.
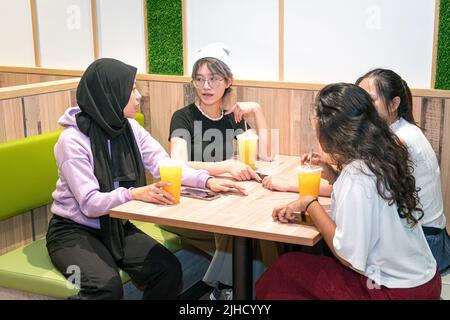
102	156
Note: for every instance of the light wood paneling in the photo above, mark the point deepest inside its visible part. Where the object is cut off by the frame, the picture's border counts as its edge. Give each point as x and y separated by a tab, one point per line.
17	79
143	87
15	232
41	217
43	111
11	120
165	99
147	69
34	22
437	9
94	29
237	82
417	110
445	162
432	112
288	112
38	88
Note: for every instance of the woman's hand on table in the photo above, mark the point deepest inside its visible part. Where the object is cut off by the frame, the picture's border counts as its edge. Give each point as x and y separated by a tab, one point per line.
285	213
224	185
277	183
241	172
153	193
318	159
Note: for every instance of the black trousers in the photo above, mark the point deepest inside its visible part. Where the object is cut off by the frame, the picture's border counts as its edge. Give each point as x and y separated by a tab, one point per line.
150	265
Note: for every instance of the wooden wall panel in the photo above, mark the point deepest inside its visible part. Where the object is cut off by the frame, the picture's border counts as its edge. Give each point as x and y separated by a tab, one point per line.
41	217
432	117
11	120
15	79
143	87
288	112
43	111
417	110
445	162
15	232
165	99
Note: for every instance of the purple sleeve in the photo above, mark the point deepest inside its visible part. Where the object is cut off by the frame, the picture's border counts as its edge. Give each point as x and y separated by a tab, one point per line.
79	175
152	152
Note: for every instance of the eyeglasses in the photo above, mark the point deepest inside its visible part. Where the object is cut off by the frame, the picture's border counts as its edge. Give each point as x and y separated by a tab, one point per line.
213	81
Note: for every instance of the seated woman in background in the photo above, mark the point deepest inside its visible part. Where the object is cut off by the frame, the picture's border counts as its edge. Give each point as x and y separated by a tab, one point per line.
393	101
373	231
203	135
102	155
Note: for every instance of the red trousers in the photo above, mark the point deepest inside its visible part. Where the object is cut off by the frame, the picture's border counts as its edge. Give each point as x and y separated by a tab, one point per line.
301	276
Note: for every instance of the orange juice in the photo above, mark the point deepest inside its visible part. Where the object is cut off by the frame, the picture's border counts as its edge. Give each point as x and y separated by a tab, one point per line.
170	171
309	180
248	148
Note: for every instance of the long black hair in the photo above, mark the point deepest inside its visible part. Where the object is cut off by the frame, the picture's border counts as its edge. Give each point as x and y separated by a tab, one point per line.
390	85
349	128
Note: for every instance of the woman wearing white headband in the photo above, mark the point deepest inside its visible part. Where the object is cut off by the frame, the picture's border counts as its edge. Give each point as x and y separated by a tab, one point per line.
203	134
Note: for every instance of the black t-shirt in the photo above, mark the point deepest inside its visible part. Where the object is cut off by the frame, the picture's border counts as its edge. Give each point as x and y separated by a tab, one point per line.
207	140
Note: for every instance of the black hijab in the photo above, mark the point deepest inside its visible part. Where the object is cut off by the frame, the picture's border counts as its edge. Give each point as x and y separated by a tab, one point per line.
102	94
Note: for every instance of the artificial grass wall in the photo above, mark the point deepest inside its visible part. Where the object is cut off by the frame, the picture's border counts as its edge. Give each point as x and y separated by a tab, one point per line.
165	37
443	53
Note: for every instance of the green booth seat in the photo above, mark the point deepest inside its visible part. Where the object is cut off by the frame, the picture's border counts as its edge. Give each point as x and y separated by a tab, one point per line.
30	269
28	174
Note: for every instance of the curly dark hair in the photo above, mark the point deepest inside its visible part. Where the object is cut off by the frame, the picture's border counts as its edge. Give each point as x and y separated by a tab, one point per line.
349	128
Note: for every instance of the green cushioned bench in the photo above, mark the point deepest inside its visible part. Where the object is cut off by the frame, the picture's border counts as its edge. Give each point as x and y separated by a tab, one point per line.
28	174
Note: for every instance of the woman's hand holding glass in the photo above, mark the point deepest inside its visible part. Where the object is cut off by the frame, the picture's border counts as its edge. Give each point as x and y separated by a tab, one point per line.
319	159
153	193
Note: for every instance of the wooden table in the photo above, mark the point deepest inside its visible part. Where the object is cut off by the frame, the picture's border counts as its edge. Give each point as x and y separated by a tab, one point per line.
244	217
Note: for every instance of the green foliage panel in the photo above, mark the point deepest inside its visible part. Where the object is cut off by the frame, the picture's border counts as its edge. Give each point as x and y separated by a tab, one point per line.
165	36
443	54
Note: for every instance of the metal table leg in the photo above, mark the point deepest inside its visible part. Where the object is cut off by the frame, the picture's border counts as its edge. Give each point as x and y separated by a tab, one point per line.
242	268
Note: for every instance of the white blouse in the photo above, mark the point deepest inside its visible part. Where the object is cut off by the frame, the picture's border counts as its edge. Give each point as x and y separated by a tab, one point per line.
426	172
372	237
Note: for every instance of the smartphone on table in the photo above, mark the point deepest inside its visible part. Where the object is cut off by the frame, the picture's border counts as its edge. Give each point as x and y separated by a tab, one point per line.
261	175
198	193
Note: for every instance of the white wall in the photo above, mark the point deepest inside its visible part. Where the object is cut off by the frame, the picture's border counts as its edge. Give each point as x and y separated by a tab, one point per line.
121	31
65	33
249	28
327	41
16	33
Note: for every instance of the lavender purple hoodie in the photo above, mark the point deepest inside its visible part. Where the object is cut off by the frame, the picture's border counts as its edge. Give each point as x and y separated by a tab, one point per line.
77	196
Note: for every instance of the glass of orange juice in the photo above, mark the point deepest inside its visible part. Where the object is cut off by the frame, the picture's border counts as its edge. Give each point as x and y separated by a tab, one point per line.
309	180
248	148
170	171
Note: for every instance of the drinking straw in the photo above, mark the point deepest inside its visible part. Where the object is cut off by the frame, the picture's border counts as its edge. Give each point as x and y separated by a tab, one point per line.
310	156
